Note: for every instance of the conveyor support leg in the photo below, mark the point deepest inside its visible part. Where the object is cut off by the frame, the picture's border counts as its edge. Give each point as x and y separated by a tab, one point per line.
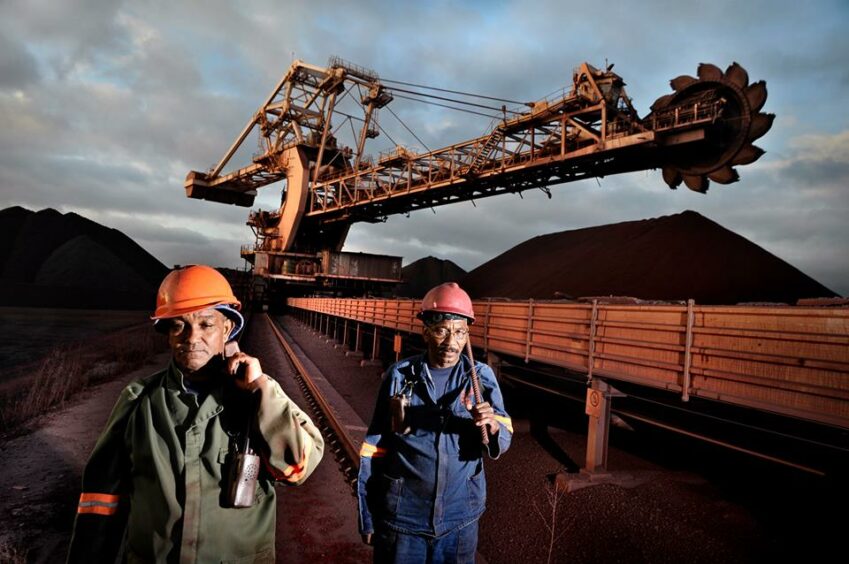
599	396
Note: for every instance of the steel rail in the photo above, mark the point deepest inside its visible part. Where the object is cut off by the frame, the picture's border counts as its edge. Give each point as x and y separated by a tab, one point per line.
348	446
672	428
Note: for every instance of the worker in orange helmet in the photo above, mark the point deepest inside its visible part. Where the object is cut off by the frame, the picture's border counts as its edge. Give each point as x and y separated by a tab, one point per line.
421	486
189	457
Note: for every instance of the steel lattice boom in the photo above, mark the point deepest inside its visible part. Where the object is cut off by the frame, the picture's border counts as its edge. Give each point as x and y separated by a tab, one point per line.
696	134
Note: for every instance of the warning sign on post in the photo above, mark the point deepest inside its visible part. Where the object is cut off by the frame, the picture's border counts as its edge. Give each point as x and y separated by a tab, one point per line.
594	399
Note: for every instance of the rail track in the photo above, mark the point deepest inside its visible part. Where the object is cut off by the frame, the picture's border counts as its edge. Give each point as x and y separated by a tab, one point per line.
337	439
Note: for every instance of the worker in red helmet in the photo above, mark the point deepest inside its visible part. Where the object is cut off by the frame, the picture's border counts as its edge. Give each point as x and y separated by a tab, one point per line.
189	457
421	486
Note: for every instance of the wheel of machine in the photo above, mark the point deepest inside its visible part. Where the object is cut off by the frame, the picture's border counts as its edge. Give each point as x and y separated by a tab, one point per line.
731	134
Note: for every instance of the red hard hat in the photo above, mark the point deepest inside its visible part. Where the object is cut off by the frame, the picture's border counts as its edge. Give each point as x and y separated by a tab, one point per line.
448	298
192	288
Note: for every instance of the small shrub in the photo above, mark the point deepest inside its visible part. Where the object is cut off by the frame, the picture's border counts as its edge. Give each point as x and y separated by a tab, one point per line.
69	368
12	554
553	495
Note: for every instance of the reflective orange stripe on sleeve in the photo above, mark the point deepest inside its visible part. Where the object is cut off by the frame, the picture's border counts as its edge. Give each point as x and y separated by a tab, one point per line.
291	473
371	451
506	421
98	503
295	472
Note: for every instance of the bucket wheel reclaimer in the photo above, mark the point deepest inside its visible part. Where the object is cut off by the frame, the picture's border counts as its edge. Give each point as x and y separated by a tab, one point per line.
739	123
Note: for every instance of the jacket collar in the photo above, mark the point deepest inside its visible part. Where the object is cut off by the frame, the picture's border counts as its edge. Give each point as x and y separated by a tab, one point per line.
174	382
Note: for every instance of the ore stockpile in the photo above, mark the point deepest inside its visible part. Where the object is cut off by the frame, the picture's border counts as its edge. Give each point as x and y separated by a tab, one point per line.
678	257
50	259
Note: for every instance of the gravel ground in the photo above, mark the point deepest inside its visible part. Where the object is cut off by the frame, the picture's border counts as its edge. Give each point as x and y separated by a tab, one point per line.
316	522
666	499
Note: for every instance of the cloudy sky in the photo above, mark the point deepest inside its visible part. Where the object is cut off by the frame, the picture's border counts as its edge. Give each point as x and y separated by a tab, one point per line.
105	106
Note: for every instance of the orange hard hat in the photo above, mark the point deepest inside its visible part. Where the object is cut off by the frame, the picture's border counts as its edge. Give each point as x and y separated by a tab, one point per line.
190	289
448	298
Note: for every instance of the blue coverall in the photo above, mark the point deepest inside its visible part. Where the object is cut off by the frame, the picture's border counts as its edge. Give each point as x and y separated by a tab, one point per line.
429	480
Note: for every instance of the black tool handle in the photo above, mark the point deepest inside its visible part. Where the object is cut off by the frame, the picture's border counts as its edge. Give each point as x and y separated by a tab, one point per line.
476	389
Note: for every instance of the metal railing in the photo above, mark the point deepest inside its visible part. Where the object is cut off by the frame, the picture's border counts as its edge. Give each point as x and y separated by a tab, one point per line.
788	360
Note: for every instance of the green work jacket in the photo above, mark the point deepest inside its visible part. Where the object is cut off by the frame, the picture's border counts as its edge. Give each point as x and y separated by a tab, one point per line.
159	471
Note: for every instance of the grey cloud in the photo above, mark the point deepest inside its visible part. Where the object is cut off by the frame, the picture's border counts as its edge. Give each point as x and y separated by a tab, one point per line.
146	112
143	229
18	68
225	254
109	187
811	175
162	67
68	32
70	21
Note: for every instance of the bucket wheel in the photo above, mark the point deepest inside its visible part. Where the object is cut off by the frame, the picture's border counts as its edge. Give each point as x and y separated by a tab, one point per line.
729	138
